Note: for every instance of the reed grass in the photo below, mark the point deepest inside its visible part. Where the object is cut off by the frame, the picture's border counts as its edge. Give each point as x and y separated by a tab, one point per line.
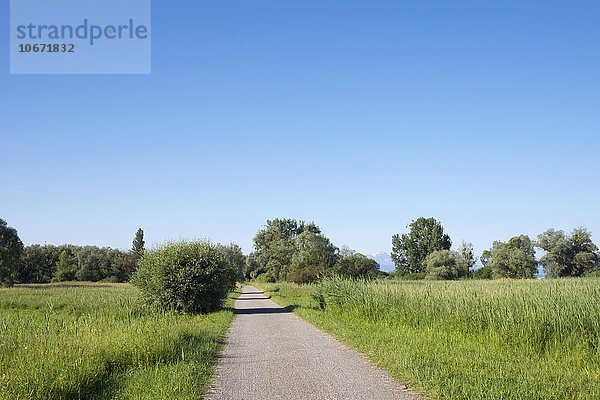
501	339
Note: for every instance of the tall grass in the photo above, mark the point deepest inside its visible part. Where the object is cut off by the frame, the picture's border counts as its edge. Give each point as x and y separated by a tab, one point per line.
469	339
98	341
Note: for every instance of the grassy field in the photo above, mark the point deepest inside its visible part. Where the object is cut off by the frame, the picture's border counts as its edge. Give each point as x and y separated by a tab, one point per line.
97	341
468	339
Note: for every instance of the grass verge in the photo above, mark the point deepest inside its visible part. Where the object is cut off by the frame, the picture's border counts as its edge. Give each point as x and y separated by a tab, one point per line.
469	339
98	342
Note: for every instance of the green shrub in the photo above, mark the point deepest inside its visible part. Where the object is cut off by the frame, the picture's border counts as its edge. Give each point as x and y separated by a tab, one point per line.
186	276
305	274
266	278
446	265
357	265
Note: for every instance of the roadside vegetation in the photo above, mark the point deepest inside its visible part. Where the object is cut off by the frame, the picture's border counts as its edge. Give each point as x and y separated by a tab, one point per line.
501	339
98	341
449	323
94	340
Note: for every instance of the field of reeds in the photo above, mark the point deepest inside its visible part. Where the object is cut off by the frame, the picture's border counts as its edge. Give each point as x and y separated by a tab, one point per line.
501	339
97	341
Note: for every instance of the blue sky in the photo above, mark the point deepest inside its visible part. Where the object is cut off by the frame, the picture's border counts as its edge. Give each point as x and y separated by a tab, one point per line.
360	116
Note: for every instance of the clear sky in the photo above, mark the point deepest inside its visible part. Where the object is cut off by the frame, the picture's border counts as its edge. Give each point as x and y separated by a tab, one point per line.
359	115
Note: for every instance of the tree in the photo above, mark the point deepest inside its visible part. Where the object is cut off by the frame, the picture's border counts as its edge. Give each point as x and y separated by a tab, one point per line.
236	261
468	254
409	251
446	265
514	259
275	246
11	249
93	264
315	255
138	244
574	255
65	268
122	265
38	263
356	265
252	268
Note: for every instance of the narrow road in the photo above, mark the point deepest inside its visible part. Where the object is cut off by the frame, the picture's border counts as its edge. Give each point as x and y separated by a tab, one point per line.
272	354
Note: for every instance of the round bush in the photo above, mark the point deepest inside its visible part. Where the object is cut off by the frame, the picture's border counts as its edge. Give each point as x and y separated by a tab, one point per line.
189	277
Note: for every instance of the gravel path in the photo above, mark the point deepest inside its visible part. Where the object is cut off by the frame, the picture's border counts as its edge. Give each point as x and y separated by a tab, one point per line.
272	354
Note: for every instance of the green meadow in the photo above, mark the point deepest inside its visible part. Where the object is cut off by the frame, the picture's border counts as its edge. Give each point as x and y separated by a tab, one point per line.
97	341
500	339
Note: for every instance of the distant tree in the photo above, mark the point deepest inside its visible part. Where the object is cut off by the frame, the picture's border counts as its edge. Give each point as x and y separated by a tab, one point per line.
468	254
92	263
514	259
446	265
574	255
65	268
253	268
121	265
38	263
315	255
410	250
356	265
11	249
275	246
137	247
236	261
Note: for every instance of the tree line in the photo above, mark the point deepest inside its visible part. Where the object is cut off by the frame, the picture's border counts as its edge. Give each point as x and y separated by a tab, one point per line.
51	263
425	251
298	251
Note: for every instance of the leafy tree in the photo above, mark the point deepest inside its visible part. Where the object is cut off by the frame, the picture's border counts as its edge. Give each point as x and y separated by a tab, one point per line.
315	255
121	265
275	246
38	263
65	268
410	250
446	265
137	247
236	261
357	265
514	259
93	265
252	269
574	255
468	254
11	249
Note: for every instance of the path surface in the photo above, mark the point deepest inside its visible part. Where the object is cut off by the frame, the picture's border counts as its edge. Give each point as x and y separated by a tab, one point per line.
272	354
